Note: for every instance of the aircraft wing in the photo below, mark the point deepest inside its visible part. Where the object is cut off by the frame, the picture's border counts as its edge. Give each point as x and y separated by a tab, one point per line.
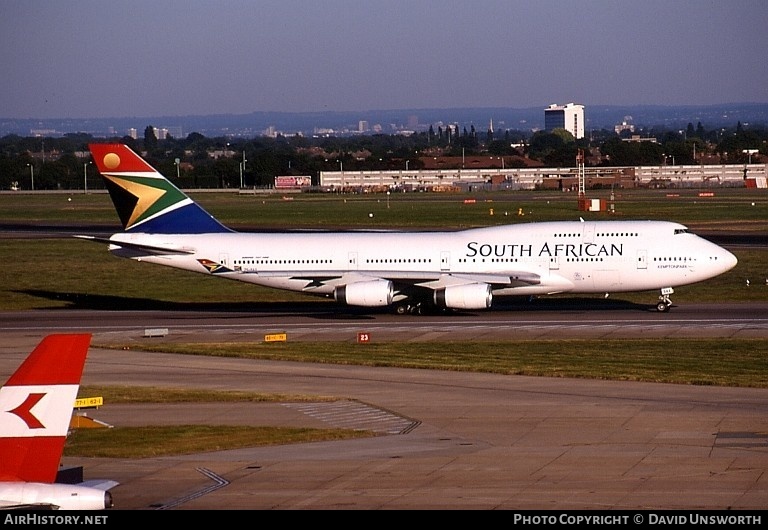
443	279
515	279
425	279
37	506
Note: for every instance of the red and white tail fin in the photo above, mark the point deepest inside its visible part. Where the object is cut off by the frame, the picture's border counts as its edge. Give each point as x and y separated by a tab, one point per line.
36	408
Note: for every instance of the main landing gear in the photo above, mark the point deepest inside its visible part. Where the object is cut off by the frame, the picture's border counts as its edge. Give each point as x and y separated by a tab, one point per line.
411	309
402	309
418	308
664	303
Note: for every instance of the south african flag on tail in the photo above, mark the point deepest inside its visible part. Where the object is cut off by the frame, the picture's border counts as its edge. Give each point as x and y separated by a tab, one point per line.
145	200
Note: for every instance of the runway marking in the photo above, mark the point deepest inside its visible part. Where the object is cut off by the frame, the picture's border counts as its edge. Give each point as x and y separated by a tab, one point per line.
742	439
357	416
219	482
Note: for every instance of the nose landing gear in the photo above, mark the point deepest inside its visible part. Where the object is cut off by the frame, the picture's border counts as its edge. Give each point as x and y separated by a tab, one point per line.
664	303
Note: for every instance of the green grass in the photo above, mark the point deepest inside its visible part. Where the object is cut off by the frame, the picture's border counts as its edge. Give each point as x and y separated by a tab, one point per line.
71	273
742	209
162	440
732	362
141	394
153	441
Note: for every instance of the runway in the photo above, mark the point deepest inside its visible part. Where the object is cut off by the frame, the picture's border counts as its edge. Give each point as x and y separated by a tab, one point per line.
445	440
542	319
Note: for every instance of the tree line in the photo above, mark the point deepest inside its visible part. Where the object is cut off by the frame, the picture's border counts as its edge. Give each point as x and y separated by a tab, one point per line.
225	162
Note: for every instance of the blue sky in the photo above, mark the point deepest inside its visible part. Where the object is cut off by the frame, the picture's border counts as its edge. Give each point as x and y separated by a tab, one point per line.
94	59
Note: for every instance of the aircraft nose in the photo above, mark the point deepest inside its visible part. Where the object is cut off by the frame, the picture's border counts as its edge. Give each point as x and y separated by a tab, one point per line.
723	259
727	260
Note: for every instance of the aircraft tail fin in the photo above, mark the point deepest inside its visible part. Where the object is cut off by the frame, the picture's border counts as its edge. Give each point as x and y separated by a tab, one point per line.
145	200
36	408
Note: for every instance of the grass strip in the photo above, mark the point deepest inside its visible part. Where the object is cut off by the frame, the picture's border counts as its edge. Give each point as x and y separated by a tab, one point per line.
154	441
733	362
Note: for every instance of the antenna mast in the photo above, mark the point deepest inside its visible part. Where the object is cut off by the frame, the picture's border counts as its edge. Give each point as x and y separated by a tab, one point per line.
580	166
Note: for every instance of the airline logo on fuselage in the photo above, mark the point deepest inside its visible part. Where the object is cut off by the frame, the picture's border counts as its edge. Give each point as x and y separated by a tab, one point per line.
566	250
212	266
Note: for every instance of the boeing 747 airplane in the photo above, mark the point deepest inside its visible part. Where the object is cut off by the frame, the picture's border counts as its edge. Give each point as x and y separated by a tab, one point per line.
407	271
35	411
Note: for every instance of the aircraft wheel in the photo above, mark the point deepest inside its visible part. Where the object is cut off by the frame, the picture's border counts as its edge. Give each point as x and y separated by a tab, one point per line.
662	306
401	309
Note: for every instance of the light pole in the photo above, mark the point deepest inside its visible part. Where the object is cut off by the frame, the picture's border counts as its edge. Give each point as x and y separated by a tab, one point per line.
750	152
241	174
85	177
406	164
32	175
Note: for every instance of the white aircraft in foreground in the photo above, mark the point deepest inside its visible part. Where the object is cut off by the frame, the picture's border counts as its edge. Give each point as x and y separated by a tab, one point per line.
35	411
409	271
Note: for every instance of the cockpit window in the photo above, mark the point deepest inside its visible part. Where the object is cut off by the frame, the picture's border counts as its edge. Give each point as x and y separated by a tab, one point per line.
681	231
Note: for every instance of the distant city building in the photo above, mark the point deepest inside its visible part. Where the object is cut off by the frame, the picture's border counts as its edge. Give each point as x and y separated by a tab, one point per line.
362	126
637	138
569	117
41	133
175	131
160	133
625	125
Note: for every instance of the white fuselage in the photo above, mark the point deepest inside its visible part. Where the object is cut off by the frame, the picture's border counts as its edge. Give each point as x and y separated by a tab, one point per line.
566	256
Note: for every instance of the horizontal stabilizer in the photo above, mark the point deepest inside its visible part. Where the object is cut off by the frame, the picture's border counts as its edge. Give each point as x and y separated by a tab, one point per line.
103	485
150	249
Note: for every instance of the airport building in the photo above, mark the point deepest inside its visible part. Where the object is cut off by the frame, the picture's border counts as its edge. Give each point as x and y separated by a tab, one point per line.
569	117
531	178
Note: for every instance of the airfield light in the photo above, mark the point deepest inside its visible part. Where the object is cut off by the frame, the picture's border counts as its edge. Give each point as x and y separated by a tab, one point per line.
85	176
32	175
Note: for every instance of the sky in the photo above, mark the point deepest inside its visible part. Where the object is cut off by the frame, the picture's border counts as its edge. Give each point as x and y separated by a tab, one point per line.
100	59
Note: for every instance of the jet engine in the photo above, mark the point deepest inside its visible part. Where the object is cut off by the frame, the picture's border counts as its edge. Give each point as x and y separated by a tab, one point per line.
374	293
31	495
468	296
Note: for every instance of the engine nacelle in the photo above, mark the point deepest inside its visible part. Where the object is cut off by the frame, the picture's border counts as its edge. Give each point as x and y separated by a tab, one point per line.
469	296
374	293
55	496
